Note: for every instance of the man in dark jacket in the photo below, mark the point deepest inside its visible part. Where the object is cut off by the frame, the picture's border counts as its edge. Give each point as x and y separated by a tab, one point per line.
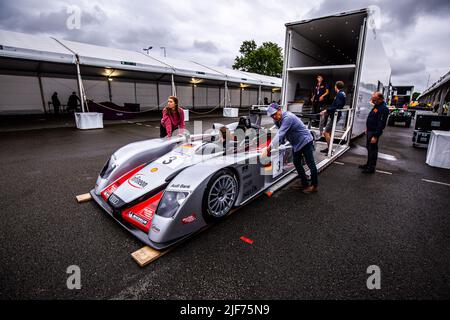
338	103
320	95
72	103
376	122
55	102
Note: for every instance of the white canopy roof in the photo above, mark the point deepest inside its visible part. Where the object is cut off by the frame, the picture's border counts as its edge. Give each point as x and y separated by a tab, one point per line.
98	56
27	46
39	48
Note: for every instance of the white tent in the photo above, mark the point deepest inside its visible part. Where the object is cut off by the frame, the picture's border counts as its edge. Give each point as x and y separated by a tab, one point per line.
32	67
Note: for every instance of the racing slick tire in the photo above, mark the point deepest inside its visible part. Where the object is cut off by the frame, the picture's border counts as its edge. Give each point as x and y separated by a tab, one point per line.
220	195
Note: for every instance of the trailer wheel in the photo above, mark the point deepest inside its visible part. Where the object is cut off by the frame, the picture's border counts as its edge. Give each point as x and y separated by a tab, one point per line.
220	195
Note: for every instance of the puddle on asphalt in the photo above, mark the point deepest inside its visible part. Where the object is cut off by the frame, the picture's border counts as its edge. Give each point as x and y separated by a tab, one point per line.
363	151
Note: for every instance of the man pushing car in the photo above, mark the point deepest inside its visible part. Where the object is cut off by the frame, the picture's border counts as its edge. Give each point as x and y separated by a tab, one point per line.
291	128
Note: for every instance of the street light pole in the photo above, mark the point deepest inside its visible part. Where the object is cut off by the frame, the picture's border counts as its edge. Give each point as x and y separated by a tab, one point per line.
148	49
164	48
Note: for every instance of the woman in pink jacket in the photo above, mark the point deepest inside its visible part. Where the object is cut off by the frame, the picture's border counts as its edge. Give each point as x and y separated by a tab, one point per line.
172	118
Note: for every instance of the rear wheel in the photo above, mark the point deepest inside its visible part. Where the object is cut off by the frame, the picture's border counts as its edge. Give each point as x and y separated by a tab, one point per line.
220	195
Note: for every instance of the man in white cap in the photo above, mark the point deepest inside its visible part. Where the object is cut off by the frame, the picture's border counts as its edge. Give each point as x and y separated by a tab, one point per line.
290	127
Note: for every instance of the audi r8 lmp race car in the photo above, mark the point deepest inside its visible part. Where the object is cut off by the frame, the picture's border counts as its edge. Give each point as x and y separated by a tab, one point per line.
164	190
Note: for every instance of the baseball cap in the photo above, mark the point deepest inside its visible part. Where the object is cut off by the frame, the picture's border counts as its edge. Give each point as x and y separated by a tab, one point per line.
272	109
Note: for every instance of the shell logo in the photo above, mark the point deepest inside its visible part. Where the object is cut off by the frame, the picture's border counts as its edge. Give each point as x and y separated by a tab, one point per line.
153	169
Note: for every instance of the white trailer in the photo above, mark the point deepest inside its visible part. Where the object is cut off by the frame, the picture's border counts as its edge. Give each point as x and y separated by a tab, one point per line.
339	47
345	47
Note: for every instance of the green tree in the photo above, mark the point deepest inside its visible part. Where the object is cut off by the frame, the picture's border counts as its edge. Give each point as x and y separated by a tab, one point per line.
266	59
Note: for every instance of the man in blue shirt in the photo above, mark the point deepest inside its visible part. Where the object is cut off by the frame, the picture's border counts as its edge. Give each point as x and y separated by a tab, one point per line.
338	103
291	128
376	122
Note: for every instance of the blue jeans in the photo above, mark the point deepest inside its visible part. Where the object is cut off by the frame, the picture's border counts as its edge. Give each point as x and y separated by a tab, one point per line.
308	153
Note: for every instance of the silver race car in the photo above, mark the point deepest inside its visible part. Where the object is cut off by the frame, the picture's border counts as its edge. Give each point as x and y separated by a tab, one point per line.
164	190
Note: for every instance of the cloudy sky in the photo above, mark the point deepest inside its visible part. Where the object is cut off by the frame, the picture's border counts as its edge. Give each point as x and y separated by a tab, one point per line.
415	33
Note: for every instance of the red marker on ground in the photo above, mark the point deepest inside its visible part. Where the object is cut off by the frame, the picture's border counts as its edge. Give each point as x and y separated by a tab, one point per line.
249	241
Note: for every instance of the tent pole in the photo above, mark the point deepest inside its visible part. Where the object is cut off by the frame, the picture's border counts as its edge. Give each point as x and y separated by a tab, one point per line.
226	94
259	95
174	90
82	97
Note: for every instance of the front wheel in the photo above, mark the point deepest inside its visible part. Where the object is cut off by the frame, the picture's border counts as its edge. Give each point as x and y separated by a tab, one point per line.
220	195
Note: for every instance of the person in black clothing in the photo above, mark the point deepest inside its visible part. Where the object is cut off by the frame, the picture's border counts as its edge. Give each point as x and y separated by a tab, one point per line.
55	102
376	122
72	103
266	101
338	103
320	95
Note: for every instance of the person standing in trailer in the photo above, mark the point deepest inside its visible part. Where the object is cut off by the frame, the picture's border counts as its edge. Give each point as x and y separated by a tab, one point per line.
376	122
291	128
172	118
320	96
338	103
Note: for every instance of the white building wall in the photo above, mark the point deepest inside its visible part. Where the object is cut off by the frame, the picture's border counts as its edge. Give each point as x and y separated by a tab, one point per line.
96	90
165	90
235	97
200	96
122	92
146	95
214	97
184	95
20	94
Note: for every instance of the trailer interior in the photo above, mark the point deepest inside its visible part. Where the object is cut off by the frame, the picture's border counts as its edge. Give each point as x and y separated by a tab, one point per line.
326	46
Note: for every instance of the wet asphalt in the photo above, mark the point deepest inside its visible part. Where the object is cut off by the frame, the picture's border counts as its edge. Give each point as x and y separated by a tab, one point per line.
304	247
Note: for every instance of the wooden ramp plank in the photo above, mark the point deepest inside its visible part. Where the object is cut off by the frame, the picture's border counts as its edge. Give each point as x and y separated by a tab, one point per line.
145	255
84	197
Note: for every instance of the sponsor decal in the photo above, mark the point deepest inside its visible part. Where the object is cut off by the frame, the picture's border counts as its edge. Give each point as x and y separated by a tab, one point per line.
137	218
189	219
153	169
181	186
110	190
112	187
137	181
155	228
144	210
